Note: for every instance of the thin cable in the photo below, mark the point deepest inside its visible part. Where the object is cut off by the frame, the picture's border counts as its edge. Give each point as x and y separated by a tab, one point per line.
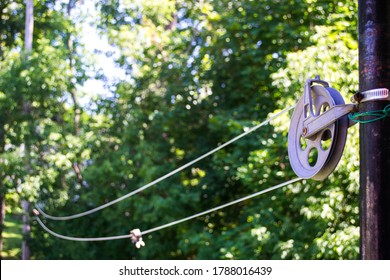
221	206
171	223
101	207
83	239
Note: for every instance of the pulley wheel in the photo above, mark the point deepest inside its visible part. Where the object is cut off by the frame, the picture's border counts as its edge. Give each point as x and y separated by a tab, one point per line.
316	157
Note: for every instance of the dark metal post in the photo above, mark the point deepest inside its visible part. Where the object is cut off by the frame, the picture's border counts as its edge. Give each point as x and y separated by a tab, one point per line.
374	72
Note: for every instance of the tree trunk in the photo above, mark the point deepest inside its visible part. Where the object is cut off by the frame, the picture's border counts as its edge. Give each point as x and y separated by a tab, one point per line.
2	149
2	218
72	90
73	93
29	28
28	39
26	230
2	189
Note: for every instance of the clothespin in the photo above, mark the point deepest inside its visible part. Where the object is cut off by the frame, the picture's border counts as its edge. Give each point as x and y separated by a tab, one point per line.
136	238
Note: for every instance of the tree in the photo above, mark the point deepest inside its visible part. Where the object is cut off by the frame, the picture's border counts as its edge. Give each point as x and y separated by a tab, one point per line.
198	74
194	66
33	103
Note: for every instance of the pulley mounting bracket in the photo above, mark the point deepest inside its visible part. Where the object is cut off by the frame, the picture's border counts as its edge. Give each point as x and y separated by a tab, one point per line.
312	125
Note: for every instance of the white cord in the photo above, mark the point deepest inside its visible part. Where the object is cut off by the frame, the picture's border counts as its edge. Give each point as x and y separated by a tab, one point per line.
221	206
171	223
71	238
101	207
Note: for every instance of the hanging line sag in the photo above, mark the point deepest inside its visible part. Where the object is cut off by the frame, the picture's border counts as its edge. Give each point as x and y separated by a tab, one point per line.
103	206
87	239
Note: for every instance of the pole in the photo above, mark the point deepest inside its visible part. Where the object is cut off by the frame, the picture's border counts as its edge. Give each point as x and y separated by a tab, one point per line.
374	72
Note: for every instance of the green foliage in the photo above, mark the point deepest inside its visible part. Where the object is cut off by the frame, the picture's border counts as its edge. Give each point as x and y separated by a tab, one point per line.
12	238
199	73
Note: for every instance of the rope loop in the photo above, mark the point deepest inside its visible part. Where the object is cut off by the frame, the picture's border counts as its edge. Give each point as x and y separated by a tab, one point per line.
375	114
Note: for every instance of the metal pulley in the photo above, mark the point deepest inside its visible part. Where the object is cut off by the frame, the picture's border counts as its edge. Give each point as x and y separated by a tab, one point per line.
318	130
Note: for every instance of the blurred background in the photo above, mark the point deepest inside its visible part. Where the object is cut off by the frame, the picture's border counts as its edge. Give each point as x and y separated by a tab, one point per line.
113	94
